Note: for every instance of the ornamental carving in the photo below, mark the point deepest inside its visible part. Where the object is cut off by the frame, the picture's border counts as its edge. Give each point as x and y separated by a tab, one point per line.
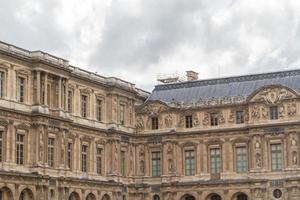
273	95
264	113
255	112
281	111
140	124
206	119
291	109
154	109
231	116
221	118
258	161
295	158
196	121
168	121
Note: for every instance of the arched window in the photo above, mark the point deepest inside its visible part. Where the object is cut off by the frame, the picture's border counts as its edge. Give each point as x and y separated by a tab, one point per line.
156	197
242	197
215	197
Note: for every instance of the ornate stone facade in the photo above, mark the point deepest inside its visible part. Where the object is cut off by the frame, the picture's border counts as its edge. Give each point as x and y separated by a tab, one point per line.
68	134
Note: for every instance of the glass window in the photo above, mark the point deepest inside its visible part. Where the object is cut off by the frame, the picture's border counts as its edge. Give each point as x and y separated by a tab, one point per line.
122	114
123	163
276	157
215	197
99	160
239	117
154	121
20	149
2	80
99	109
70	101
241	159
51	152
20	89
214	119
156	169
215	161
84	105
189	162
1	146
84	155
156	197
189	121
273	112
242	197
69	155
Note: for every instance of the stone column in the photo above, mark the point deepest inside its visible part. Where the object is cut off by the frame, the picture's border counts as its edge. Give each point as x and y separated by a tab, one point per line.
46	89
38	87
59	93
66	94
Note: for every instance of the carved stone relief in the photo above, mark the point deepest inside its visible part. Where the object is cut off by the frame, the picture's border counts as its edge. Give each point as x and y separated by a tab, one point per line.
273	95
255	112
168	121
206	119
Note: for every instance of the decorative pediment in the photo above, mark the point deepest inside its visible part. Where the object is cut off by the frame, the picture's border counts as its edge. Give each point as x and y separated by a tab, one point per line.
153	108
272	94
85	90
22	126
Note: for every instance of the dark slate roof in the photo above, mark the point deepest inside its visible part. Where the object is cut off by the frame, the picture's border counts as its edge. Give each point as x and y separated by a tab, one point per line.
194	91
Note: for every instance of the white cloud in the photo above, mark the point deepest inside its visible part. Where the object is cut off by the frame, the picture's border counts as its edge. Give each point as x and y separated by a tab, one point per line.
139	39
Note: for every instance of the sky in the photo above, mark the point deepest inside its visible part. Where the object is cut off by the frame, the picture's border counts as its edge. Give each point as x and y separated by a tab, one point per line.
139	40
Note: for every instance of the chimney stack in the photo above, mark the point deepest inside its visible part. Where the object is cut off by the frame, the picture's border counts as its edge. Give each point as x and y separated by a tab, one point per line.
191	75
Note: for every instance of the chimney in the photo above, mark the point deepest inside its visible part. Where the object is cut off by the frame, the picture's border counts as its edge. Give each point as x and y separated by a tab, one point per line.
191	75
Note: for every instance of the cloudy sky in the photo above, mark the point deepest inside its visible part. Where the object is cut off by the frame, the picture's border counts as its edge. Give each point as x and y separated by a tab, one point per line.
137	40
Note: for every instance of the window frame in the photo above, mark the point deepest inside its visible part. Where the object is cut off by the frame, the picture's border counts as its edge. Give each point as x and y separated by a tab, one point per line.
239	116
244	168
154	123
273	112
276	155
84	100
214	119
84	158
189	121
191	159
51	152
215	160
20	149
156	163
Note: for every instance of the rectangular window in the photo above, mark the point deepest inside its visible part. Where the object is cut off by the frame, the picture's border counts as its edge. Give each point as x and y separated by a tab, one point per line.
84	155
1	146
276	157
273	112
99	160
69	155
189	121
156	163
70	101
215	161
241	159
154	123
214	119
239	117
20	149
51	152
84	105
189	162
2	80
122	163
21	89
99	110
122	114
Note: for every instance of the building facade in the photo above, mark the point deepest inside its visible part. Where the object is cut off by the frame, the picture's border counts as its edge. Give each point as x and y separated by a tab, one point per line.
69	134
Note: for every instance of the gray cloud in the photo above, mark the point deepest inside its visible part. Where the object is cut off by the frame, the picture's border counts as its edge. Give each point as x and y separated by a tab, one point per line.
138	39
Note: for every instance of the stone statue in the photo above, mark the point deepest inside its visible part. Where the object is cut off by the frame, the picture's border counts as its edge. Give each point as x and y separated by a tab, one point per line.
168	121
140	123
170	165
258	160
291	109
142	167
295	158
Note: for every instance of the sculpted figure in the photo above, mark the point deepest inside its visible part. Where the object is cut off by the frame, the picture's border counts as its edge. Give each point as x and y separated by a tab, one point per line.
255	112
168	121
295	158
258	160
291	109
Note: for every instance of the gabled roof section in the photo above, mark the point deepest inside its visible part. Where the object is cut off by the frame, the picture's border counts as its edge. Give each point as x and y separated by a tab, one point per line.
237	86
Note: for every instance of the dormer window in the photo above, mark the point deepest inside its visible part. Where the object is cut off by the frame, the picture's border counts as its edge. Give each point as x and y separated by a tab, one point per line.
154	123
189	121
273	112
214	119
239	117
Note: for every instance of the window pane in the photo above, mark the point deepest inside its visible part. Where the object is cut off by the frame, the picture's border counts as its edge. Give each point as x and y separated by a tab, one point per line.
276	157
156	169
